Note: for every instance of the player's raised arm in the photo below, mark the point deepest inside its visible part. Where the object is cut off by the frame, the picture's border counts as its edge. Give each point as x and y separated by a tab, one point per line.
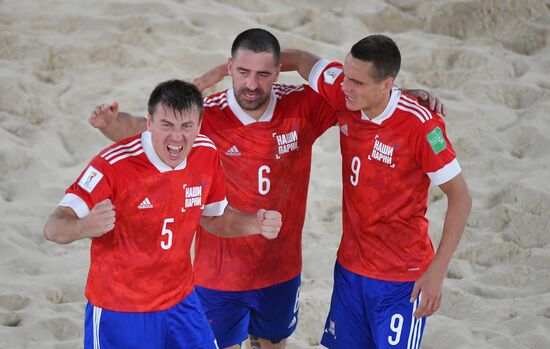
298	60
64	226
234	223
116	125
459	203
303	62
211	77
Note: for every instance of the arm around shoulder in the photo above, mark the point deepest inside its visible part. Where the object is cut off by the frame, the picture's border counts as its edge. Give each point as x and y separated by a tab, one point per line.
298	60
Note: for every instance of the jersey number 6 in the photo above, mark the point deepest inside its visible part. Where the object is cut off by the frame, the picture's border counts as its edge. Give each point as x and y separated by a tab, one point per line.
263	182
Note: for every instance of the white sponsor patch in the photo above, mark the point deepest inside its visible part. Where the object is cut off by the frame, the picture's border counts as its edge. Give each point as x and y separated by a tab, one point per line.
331	74
90	178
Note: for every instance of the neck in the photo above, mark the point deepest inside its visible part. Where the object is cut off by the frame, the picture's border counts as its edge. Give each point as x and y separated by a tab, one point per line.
376	110
256	114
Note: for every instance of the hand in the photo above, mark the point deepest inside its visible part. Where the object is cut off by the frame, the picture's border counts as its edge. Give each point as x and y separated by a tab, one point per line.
211	77
431	284
103	115
100	220
270	223
429	100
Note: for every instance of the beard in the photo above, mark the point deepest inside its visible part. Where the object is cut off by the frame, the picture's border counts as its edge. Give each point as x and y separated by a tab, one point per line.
250	105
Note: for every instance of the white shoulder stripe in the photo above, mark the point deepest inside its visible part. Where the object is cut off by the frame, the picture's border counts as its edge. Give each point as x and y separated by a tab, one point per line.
126	155
202	138
411	102
122	151
205	144
213	99
214	103
127	145
412	111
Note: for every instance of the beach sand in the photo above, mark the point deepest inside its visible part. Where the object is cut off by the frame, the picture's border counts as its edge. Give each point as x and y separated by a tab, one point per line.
489	60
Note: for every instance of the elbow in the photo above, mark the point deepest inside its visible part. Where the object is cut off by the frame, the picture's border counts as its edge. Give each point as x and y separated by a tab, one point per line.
50	234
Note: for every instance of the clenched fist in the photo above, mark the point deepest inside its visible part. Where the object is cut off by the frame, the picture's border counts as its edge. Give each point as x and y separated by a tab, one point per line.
100	220
270	223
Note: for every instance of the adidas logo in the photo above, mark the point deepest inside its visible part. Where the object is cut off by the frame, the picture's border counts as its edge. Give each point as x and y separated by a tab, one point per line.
145	204
344	129
233	151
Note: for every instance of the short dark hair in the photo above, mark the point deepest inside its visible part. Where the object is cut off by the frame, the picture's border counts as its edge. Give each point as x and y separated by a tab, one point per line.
257	40
176	95
382	52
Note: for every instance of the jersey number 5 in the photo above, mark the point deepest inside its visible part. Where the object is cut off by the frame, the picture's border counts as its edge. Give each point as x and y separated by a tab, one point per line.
263	182
165	231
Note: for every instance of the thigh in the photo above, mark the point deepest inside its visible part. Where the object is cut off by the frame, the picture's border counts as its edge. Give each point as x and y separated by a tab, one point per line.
107	329
391	316
187	326
275	311
228	313
347	325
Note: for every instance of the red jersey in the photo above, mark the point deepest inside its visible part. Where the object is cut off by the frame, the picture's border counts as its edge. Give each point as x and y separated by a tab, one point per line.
268	165
388	163
144	263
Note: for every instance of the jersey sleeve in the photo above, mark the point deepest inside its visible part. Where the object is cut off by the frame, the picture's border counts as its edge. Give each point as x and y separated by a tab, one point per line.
321	114
216	201
326	78
435	153
92	186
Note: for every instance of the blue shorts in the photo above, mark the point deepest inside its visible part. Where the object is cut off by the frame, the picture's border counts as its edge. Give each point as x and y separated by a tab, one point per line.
270	313
181	326
369	313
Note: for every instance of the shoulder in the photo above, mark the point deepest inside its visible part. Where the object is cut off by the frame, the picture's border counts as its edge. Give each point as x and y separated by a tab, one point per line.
217	100
203	141
416	115
126	148
288	91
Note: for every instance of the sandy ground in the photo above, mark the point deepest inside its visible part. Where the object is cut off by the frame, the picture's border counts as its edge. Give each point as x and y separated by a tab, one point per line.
488	59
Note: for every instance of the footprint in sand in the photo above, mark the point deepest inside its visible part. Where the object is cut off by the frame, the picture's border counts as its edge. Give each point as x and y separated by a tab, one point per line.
520	25
9	305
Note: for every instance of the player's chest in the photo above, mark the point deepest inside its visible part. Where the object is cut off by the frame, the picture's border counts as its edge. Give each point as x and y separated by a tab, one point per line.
175	193
380	148
274	140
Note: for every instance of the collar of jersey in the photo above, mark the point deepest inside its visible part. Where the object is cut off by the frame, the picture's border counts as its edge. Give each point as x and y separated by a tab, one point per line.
243	116
147	144
388	111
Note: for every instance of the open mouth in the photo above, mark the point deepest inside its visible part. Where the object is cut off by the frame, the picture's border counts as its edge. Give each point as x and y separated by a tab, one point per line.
174	150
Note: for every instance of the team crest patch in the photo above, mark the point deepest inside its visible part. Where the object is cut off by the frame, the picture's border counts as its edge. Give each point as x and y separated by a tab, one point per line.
436	140
90	178
331	74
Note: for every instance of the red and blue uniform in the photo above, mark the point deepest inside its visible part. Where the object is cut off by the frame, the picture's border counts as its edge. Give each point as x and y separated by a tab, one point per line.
388	164
268	164
140	272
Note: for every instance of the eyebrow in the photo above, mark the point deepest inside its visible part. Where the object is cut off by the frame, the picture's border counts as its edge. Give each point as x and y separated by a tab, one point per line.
259	72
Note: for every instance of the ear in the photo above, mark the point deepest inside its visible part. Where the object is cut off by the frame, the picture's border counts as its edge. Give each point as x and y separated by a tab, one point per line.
277	72
149	122
389	83
229	66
